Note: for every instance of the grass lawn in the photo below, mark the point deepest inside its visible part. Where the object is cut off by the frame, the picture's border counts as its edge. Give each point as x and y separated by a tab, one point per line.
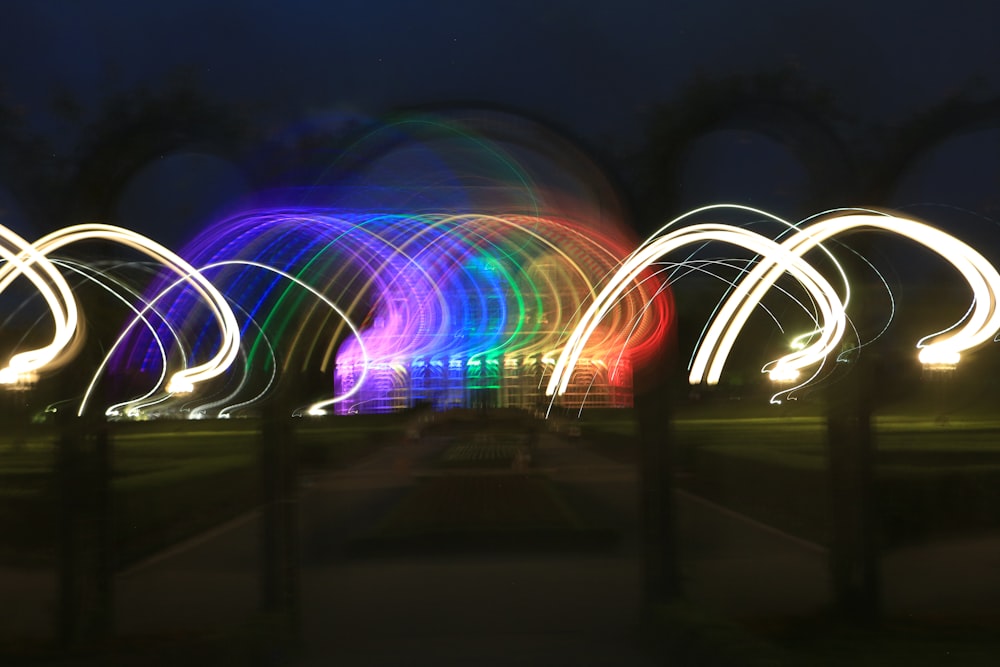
935	476
170	480
689	635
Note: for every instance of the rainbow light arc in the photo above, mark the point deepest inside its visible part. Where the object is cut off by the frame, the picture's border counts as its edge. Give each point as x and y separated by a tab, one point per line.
452	308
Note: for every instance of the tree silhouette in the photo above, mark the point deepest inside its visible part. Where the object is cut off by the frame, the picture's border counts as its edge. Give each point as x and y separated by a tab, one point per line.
778	105
27	166
901	146
141	125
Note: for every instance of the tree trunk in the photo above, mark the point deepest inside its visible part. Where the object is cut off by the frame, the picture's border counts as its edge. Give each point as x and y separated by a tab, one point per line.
854	553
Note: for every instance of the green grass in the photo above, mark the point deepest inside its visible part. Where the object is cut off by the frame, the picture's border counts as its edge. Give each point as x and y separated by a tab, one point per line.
801	439
170	479
935	474
687	634
936	477
923	645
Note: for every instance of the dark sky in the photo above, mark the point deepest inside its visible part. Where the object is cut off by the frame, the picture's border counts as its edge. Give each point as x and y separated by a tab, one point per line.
592	67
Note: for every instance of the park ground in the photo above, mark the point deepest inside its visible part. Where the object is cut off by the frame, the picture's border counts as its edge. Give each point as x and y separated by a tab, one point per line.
388	572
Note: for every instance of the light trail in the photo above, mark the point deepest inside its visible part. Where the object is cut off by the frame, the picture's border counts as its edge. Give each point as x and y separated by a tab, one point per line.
102	280
446	304
942	348
472	301
182	381
22	258
978	326
831	310
317	408
134	407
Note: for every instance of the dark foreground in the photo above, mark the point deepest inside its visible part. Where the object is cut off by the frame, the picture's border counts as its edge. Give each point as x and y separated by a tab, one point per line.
557	582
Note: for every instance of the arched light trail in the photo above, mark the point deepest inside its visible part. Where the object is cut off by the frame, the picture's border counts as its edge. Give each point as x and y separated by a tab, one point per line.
537	338
765	216
226	411
102	280
479	230
671	277
725	324
108	283
670	270
197	407
230	403
22	258
443	305
945	347
446	303
829	304
355	275
152	397
181	381
318	407
268	306
809	310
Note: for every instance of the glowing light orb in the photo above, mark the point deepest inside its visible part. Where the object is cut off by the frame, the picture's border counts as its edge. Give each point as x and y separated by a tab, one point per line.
934	357
180	385
784	374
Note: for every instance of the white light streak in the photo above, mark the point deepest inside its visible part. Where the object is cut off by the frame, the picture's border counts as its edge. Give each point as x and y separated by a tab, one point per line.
831	309
22	258
945	346
180	382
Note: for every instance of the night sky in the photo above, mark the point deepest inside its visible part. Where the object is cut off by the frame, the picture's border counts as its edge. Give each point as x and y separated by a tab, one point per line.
593	69
593	66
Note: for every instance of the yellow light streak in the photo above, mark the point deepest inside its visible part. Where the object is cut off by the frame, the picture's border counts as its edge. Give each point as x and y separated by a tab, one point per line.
182	381
22	258
945	346
832	315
